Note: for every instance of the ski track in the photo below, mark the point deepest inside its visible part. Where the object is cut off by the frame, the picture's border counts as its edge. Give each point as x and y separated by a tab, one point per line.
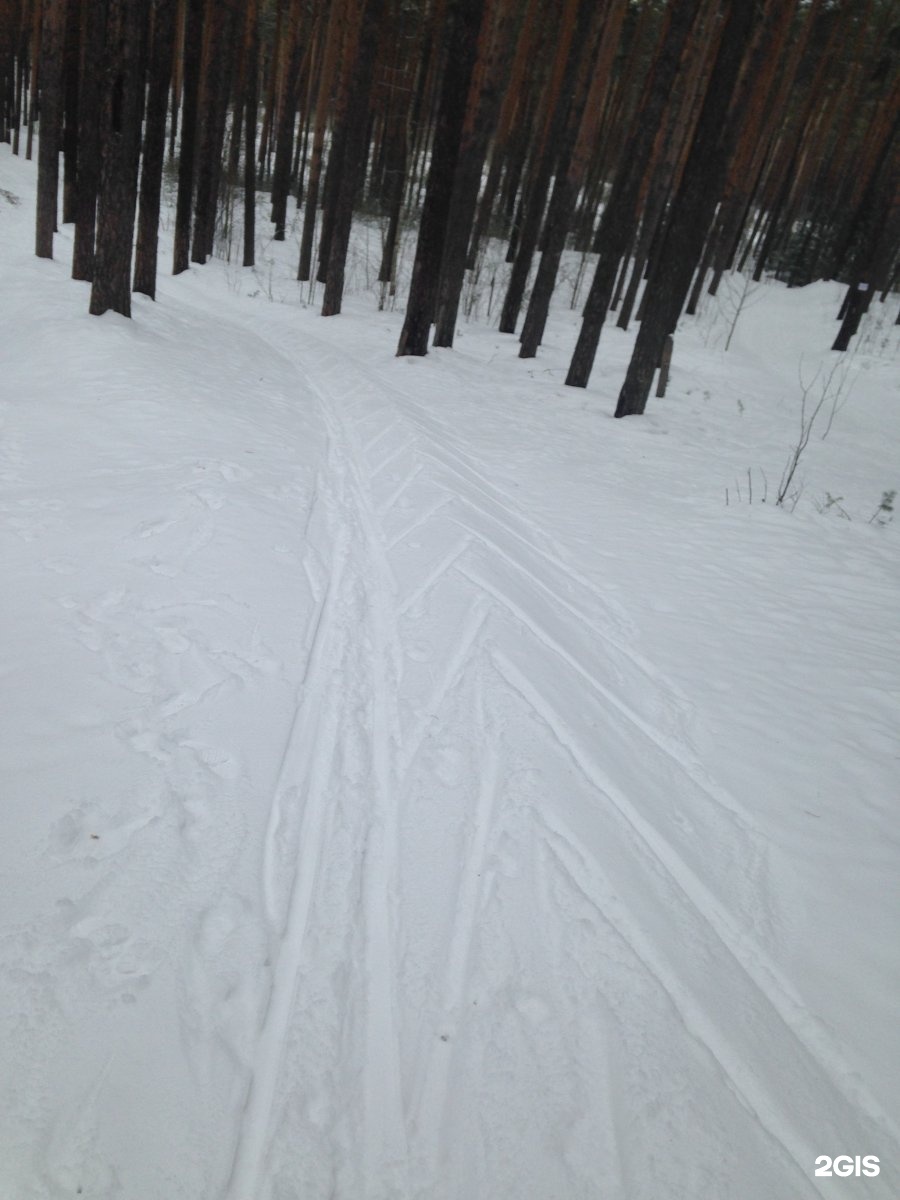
684	888
435	598
308	758
519	604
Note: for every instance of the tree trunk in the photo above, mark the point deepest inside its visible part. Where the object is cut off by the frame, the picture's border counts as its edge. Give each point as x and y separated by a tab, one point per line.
326	83
160	71
692	209
567	185
491	68
51	93
619	213
352	165
190	83
251	105
212	105
565	83
92	51
286	125
120	133
464	19
70	123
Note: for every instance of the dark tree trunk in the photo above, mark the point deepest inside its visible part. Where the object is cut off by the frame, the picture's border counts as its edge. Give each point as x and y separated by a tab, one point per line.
21	85
70	123
8	30
395	177
618	215
93	42
120	136
701	273
353	145
190	84
692	209
566	188
558	141
464	18
251	104
492	64
485	208
510	131
330	188
212	105
285	130
344	64
160	71
34	59
218	138
326	81
51	93
859	297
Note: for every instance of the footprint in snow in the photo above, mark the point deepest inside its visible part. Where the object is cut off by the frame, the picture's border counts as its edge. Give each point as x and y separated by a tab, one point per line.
215	760
112	957
450	764
62	566
153	528
420	652
230	472
211	499
93	836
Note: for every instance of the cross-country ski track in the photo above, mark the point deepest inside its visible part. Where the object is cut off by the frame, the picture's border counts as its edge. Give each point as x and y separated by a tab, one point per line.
421	887
491	916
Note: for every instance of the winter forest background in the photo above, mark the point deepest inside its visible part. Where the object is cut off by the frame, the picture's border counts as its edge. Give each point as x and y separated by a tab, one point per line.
418	785
676	141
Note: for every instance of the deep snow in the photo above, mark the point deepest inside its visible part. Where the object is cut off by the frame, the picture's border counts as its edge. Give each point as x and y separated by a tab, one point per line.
417	784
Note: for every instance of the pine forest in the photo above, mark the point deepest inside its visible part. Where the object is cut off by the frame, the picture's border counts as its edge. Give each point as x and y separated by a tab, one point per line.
416	782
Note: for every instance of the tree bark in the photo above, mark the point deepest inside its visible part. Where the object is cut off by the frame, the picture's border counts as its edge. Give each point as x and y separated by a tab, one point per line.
251	105
160	71
92	51
212	104
286	125
619	213
353	146
464	17
326	83
193	44
563	86
51	94
692	209
567	185
70	122
123	84
491	68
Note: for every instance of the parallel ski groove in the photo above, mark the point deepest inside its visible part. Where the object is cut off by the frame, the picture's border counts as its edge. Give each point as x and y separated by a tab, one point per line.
764	977
433	577
385	1145
432	1099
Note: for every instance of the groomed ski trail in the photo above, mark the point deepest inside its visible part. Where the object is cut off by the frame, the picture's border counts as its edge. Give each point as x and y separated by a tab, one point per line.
446	548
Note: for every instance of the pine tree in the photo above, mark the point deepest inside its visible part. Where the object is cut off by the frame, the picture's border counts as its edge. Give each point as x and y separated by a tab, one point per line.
51	98
464	19
350	167
159	78
190	84
120	123
93	17
618	215
692	208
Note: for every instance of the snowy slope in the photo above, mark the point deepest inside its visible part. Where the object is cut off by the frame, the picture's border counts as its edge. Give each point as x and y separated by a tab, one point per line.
418	784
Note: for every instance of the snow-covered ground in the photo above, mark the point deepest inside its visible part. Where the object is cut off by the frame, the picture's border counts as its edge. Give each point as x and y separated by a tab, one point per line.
416	784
